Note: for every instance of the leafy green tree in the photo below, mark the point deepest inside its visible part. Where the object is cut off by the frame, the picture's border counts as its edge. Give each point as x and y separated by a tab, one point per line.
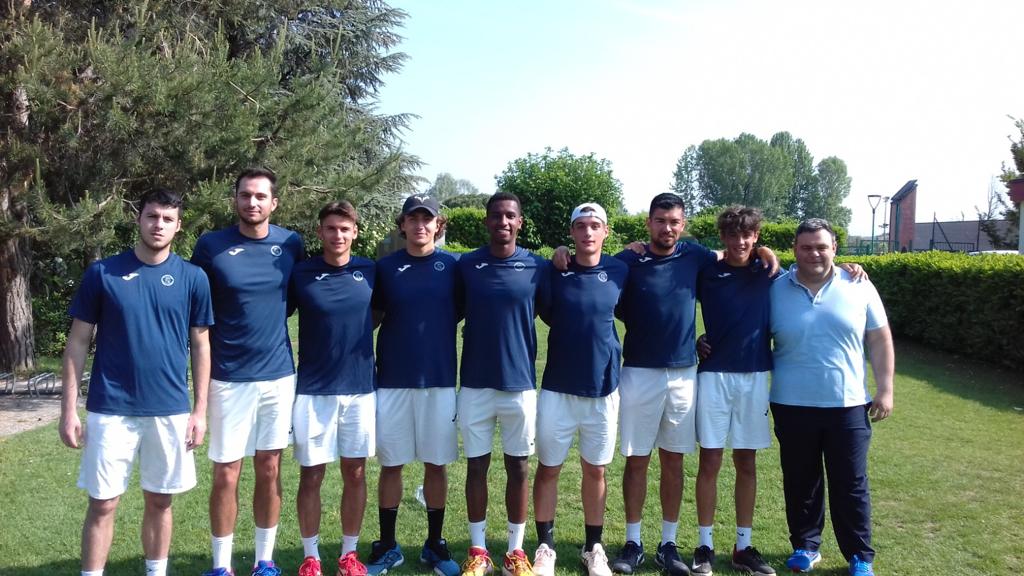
1011	211
107	99
551	184
446	188
833	186
779	177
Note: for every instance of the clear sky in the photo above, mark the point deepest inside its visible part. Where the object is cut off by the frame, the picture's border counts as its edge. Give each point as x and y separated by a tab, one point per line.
898	89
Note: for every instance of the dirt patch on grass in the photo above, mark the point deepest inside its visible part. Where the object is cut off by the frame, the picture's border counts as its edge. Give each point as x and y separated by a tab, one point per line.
21	412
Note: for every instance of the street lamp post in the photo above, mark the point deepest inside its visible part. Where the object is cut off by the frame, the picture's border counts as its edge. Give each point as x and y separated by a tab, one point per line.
873	200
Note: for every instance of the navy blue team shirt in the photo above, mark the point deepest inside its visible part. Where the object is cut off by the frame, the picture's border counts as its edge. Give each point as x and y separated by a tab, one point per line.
583	346
416	342
736	307
249	282
142	314
335	326
659	306
499	298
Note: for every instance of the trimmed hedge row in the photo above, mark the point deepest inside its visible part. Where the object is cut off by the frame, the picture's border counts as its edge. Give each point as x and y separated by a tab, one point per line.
970	305
775	235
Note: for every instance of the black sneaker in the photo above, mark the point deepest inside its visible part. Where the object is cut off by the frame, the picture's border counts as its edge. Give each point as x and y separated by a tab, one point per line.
632	555
749	560
703	560
668	560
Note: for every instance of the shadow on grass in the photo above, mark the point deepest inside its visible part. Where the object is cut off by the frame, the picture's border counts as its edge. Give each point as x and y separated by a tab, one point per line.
992	386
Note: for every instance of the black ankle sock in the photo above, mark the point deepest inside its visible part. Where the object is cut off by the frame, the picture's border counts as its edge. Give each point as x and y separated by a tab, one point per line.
593	536
546	533
435	524
388	517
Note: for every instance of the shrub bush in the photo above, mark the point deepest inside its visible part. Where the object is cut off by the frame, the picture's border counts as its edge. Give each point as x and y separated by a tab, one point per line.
466	227
775	235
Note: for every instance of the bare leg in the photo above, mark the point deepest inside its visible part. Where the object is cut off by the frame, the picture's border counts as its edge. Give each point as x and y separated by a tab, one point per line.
634	486
266	498
707	485
671	484
476	487
545	492
98	532
157	524
435	485
595	493
308	503
353	495
517	488
746	485
389	487
224	497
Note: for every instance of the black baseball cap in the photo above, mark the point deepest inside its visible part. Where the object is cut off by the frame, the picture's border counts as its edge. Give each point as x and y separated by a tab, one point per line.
418	201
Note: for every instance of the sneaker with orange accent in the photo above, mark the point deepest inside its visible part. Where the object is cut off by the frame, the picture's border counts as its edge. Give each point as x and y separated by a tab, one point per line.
349	565
478	563
310	567
516	564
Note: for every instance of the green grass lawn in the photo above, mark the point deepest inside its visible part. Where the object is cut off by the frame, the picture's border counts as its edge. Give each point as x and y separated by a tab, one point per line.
947	474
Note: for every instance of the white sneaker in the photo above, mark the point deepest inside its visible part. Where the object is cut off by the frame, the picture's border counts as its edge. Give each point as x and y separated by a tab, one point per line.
544	561
596	561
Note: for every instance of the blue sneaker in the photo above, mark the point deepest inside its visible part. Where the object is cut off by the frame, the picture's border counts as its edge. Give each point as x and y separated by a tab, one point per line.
219	572
859	567
383	559
439	559
803	560
266	568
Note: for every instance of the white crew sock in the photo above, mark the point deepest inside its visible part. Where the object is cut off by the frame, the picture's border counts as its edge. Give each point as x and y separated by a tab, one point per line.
92	572
156	567
265	539
478	534
668	531
221	546
704	537
633	532
743	537
349	543
311	546
516	533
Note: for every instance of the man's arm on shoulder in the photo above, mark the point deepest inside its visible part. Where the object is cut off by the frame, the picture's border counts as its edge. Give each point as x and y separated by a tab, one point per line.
77	347
199	347
883	366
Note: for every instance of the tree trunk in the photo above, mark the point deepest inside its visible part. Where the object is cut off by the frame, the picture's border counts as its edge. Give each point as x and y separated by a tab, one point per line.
17	334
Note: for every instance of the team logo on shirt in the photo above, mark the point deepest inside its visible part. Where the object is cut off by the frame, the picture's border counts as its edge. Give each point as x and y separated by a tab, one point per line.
725	274
439	266
236	251
567	274
644	259
320	277
519	266
358	276
129	276
481	265
275	250
602	276
167	280
403	268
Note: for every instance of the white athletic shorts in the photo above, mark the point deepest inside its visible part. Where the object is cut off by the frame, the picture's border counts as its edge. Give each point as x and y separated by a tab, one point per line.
515	413
330	427
249	416
733	408
416	424
112	443
656	408
560	416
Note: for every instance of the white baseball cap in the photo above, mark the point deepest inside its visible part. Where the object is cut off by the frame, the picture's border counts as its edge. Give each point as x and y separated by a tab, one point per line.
589	209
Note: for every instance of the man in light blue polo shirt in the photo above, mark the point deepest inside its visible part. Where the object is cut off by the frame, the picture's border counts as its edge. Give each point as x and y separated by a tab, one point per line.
820	322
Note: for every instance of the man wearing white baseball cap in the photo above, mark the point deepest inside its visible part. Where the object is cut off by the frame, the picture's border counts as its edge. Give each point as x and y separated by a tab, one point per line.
579	391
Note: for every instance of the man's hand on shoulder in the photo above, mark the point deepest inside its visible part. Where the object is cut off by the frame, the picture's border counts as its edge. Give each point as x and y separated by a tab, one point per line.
637	247
560	259
769	259
857	272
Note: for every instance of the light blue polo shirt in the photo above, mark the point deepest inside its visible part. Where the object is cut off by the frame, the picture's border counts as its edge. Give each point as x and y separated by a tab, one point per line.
819	340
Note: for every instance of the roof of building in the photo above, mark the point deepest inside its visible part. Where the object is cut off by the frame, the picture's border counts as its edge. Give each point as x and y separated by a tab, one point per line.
909	187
